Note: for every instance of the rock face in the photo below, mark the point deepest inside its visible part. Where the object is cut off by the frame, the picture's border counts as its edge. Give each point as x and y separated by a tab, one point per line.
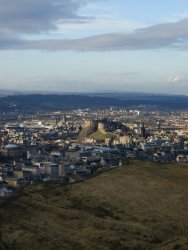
101	127
90	127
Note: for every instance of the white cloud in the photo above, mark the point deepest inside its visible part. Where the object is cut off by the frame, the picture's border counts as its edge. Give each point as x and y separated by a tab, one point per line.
178	78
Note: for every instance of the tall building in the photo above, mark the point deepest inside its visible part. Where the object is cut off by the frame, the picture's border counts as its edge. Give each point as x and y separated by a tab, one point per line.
158	125
143	130
64	120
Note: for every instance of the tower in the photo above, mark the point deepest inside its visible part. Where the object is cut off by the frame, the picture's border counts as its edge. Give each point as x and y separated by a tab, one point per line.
64	120
143	131
158	125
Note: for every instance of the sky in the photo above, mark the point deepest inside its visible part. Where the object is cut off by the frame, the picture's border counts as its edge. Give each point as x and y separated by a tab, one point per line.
94	45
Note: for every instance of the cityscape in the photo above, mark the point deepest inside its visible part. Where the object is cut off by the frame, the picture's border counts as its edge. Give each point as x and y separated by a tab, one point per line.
71	146
47	152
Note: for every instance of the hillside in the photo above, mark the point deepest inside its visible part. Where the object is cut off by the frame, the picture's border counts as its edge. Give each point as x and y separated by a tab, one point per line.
143	206
99	135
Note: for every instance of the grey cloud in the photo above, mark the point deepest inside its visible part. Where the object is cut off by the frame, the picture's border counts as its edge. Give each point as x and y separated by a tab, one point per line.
167	35
174	35
35	16
10	42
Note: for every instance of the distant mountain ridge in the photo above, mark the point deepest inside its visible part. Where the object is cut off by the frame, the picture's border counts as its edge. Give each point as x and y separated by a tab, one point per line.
70	101
52	102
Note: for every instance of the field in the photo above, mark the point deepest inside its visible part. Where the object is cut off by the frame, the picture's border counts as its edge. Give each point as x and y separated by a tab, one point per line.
142	206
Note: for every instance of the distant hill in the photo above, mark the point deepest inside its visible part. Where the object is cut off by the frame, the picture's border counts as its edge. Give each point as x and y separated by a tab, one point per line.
66	101
147	99
33	101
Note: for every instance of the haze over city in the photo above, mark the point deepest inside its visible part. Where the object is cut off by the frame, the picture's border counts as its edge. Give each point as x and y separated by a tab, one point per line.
102	45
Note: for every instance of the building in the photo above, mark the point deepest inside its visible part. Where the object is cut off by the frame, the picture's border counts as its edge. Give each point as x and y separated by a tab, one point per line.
12	151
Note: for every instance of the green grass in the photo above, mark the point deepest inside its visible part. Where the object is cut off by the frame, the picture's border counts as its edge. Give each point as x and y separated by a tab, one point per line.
144	206
99	135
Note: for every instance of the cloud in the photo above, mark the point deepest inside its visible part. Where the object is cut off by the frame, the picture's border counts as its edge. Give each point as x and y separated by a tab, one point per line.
20	19
36	16
170	35
178	79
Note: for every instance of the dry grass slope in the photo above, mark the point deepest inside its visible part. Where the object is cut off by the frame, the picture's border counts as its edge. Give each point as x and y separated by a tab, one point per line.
143	206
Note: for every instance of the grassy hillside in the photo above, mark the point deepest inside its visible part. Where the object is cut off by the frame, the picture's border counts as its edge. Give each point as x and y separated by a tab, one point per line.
99	135
143	206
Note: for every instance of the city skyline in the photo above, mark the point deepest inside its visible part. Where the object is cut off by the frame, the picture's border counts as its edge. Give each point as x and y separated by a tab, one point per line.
87	46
